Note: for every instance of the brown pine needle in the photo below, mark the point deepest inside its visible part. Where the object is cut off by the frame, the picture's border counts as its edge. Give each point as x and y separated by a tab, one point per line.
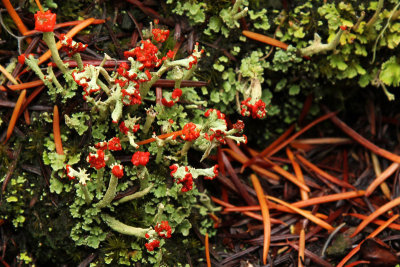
8	75
56	131
22	85
265	215
162	136
376	214
257	169
364	142
324	174
381	177
39	5
265	39
248	213
288	176
14	15
293	137
394	226
302	248
356	263
323	141
373	234
269	148
207	251
298	172
378	171
14	115
328	198
305	214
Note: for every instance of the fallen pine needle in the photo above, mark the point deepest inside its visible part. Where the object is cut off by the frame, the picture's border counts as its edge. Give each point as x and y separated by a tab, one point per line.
265	216
394	226
307	127
356	263
288	176
257	169
265	39
323	141
375	214
250	214
56	131
14	15
381	177
14	115
8	75
163	136
328	198
324	174
302	247
373	234
207	251
364	142
22	86
279	140
305	214
298	172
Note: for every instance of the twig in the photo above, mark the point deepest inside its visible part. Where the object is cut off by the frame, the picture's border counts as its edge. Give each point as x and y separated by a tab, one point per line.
376	15
317	47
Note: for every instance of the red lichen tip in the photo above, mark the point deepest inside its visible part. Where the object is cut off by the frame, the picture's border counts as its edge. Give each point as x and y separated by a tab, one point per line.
140	158
117	170
96	160
45	21
163	230
190	132
114	144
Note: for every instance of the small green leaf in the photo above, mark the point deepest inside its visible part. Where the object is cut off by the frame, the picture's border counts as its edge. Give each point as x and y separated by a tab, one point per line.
294	89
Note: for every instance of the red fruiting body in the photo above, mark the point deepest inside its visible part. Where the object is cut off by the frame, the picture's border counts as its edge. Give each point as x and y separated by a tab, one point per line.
176	93
173	169
163	230
189	132
152	245
96	160
160	35
69	176
140	158
101	145
215	173
131	97
22	58
71	47
187	182
125	129
218	135
118	171
343	27
146	54
239	125
84	82
45	21
256	111
114	144
170	54
167	103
